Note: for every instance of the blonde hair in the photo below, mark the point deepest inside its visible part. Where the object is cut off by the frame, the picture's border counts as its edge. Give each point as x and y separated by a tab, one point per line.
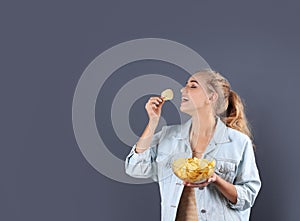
228	106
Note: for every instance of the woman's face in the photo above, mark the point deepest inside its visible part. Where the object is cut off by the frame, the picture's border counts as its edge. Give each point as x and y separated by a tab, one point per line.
194	97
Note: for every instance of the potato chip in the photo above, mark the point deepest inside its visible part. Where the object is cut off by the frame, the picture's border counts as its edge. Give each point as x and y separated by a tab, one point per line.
193	169
178	163
167	94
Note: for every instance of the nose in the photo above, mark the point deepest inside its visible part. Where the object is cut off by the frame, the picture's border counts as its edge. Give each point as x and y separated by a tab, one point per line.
182	89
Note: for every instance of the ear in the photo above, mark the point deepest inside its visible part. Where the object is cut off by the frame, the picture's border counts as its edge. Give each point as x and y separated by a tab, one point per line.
213	97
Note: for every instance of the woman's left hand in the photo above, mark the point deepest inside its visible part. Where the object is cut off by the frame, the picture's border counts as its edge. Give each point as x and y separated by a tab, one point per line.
210	180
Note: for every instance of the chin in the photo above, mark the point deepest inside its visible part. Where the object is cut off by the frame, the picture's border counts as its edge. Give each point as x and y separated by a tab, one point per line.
185	110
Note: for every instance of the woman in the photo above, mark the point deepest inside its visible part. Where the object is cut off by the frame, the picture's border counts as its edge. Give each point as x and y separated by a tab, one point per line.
218	128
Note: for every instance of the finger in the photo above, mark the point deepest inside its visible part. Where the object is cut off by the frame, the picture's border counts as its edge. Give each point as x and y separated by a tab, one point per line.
186	183
191	184
196	184
211	180
156	98
154	106
151	102
158	104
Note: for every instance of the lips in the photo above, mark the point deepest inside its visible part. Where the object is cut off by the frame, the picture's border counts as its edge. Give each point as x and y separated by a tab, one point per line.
184	99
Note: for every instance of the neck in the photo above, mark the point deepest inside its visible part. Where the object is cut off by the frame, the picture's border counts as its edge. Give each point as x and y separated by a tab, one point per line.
203	124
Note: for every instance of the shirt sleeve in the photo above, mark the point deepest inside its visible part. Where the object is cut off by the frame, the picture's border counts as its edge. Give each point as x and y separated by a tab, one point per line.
142	165
247	181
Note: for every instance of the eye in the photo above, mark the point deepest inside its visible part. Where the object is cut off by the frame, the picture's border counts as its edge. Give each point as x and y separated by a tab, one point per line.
191	85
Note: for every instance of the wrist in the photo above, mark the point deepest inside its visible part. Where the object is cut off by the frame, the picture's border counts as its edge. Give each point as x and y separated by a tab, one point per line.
139	150
152	124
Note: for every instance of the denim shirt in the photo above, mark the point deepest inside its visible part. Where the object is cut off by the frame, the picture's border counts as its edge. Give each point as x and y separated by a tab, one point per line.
235	163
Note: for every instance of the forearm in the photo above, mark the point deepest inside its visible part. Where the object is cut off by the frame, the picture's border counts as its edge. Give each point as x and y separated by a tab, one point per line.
227	189
146	138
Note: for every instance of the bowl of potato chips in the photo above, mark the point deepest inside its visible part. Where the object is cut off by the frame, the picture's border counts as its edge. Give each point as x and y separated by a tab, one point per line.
192	169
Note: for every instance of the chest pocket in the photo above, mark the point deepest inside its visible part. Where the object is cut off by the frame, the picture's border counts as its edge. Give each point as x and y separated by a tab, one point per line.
226	169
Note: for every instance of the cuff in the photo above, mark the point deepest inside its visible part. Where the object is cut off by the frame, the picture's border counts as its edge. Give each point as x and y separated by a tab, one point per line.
240	199
138	157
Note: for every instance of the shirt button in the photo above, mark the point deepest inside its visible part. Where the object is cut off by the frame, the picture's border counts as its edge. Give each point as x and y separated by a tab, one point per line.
203	211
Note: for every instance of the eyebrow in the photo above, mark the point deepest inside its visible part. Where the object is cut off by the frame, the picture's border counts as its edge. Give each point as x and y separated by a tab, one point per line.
193	81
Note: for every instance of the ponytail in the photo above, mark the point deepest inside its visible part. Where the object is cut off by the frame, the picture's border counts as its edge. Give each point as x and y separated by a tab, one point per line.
229	106
235	116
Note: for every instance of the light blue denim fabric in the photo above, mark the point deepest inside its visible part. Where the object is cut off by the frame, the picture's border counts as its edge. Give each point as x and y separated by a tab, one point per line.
235	162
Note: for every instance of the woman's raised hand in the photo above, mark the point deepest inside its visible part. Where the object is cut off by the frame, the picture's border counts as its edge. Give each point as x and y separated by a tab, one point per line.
153	108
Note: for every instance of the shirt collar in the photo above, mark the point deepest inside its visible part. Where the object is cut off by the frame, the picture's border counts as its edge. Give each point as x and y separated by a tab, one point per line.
220	134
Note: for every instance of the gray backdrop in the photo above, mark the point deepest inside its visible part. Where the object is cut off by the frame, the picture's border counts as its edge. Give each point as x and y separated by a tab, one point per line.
45	47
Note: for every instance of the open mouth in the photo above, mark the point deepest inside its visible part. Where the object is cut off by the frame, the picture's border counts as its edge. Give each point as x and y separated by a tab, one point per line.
184	99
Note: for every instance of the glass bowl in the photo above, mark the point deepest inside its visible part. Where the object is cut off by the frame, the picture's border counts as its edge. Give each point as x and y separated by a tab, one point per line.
192	169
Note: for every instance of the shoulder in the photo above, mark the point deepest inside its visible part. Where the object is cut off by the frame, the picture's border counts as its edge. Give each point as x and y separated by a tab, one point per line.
237	135
172	130
239	139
